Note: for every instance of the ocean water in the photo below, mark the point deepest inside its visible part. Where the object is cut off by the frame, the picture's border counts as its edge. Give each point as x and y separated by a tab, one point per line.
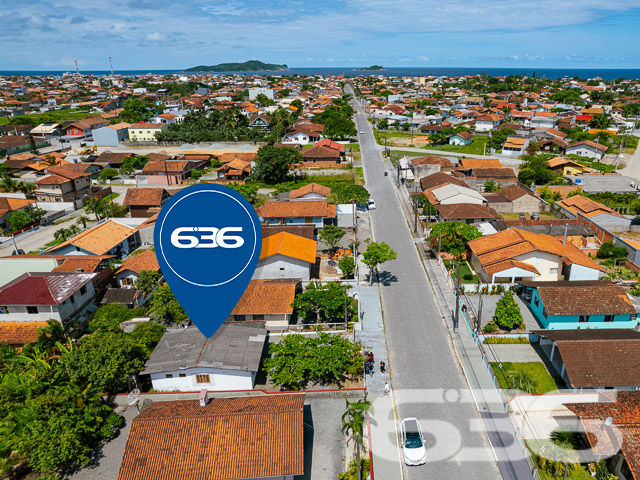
552	73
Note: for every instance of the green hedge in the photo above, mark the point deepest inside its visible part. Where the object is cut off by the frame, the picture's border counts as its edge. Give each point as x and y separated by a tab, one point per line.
502	340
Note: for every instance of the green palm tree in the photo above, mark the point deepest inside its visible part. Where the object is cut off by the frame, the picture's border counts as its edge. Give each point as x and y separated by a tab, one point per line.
522	380
83	220
9	185
26	187
49	161
353	425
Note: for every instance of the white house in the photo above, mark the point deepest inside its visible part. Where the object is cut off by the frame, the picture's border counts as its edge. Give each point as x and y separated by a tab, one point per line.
488	122
461	138
587	148
451	193
132	267
267	302
254	92
41	296
285	255
111	135
187	361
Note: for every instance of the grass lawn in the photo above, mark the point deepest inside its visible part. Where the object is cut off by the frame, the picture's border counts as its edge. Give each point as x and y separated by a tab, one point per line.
111	196
543	382
475	147
54	242
465	269
53	116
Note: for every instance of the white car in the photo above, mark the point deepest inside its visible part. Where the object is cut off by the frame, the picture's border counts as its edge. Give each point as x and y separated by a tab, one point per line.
361	132
413	449
371	204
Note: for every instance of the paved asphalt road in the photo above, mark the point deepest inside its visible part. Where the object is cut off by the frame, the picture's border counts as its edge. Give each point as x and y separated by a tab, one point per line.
426	378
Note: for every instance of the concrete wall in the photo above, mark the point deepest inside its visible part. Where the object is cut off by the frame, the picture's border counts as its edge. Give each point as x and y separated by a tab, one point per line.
279	266
220	379
580	272
543	262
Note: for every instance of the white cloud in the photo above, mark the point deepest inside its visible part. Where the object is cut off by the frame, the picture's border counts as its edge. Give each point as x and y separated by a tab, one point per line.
155	37
423	58
404	59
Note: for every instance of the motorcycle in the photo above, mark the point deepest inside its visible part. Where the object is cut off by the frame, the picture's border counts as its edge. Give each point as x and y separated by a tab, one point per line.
386	174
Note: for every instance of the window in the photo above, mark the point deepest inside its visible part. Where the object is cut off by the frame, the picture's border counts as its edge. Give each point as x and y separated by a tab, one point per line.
544	312
72	299
83	290
239	318
202	378
32	310
169	375
608	318
536	301
634	316
583	318
553	271
259	317
182	375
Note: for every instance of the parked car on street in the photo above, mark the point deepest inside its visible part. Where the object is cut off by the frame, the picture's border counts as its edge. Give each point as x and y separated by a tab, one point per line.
371	204
362	132
413	449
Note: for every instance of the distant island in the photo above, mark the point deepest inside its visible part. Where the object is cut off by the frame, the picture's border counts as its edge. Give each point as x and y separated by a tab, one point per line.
373	67
250	66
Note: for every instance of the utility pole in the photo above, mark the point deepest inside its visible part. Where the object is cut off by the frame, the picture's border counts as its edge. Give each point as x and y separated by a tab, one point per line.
457	315
77	70
398	179
15	245
415	210
346	322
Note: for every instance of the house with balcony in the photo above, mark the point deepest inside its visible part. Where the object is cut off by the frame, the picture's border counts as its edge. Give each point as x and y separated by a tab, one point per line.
316	213
63	185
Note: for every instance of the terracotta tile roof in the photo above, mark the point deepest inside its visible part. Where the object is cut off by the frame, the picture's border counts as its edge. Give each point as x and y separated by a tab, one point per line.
143	261
267	297
432	160
497	173
246	156
99	239
290	246
589	143
331	144
42	288
605	299
87	264
466	211
624	410
467	163
52	180
114	157
514	142
19	333
297	209
146	126
310	188
144	197
514	242
439	179
507	264
599	357
586	206
320	151
71	174
513	192
229	438
306	231
14	203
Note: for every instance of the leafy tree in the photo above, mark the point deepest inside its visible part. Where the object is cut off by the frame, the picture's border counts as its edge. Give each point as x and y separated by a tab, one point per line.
453	237
507	314
273	163
326	301
83	220
536	170
355	473
610	250
134	110
331	235
601	121
561	436
247	190
491	186
353	425
32	145
148	281
109	317
500	136
297	360
265	101
9	185
19	219
348	194
347	264
376	254
165	308
337	120
108	173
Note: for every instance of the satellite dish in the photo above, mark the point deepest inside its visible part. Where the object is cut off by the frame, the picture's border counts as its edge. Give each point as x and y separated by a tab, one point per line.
132	398
608	421
146	403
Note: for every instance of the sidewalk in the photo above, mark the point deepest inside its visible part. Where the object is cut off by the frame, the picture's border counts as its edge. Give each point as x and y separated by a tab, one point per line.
382	421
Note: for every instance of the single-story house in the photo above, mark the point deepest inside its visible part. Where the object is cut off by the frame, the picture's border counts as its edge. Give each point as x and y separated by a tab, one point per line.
466	213
311	191
132	267
514	255
515	146
595	358
611	429
267	302
187	361
248	437
145	202
461	138
514	198
587	148
286	256
105	238
130	297
321	155
317	213
581	305
145	132
425	166
451	193
566	166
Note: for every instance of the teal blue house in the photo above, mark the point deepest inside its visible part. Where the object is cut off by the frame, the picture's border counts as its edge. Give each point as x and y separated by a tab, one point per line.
580	305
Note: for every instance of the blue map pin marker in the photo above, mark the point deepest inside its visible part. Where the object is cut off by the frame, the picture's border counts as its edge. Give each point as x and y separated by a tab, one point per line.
208	240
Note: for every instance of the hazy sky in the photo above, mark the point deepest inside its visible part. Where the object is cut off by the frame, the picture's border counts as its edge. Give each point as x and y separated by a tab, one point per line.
175	34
